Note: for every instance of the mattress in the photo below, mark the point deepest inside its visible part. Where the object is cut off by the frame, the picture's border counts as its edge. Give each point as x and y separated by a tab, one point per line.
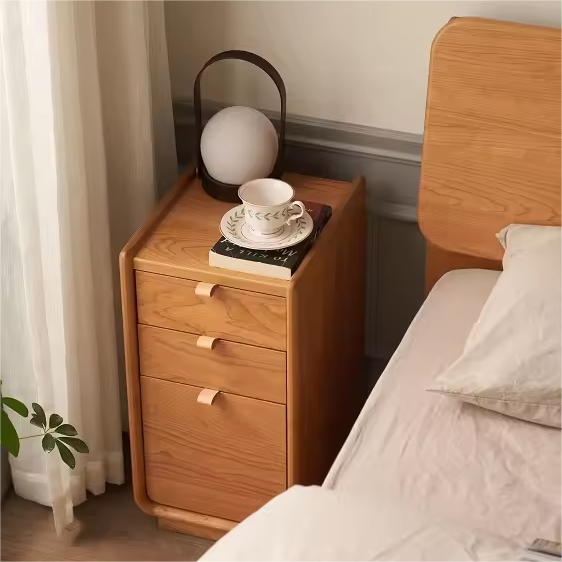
447	458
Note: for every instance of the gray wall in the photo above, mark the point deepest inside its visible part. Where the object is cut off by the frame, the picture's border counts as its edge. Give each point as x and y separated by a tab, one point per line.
390	162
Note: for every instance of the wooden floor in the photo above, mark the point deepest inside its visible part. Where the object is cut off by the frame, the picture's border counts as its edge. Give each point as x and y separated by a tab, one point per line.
112	527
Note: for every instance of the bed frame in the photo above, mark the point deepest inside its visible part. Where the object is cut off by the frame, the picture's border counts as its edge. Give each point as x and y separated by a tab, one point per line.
491	151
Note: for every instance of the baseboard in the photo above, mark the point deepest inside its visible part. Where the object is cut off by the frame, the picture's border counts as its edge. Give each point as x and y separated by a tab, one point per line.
389	160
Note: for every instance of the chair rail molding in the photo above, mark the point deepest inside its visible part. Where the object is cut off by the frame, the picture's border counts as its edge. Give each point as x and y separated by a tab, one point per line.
389	160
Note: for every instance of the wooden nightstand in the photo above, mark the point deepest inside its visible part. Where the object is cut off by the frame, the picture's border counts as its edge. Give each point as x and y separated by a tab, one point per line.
285	359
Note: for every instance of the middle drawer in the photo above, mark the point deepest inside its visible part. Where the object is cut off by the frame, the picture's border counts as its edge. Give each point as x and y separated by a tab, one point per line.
231	367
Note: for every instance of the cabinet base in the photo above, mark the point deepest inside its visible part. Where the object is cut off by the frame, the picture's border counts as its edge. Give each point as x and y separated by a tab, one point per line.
192	529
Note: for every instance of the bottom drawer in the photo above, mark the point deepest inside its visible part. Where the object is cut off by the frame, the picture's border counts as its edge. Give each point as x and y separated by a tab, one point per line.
225	460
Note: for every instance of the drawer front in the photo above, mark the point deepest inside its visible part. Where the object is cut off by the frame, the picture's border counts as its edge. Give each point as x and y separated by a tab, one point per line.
230	314
231	367
226	459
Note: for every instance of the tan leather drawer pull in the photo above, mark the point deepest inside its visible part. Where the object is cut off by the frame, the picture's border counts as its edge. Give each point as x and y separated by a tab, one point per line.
207	396
206	342
205	289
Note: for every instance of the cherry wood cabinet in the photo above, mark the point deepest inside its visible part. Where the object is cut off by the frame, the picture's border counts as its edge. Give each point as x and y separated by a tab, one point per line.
238	386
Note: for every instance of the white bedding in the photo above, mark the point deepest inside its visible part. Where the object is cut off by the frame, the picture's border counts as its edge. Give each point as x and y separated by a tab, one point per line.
442	455
320	524
423	461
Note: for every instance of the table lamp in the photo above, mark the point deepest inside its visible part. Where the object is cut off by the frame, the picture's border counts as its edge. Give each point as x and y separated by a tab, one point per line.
238	144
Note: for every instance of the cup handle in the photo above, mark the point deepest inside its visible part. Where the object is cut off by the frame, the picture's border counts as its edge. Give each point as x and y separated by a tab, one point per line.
296	215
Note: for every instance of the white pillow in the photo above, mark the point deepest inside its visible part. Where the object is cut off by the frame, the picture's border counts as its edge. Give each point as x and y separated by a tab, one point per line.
511	360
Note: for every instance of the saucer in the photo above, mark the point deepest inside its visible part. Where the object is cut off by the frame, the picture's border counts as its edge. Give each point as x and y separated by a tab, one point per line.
236	230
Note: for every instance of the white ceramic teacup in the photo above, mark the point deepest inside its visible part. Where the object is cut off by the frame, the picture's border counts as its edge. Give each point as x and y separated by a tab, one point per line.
269	205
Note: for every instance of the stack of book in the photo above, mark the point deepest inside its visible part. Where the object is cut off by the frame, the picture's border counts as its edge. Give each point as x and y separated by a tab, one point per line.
280	264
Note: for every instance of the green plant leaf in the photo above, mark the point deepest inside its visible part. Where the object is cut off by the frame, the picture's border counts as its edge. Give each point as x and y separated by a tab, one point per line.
66	429
35	421
18	407
8	435
48	443
54	421
66	454
40	413
75	443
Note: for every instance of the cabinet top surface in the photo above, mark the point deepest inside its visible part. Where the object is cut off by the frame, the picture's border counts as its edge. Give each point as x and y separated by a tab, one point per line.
180	244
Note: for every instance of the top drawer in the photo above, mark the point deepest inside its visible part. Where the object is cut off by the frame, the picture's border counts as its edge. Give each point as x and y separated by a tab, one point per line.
231	314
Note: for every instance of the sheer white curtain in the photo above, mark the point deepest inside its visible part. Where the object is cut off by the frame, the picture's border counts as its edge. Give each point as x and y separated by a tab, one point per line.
86	139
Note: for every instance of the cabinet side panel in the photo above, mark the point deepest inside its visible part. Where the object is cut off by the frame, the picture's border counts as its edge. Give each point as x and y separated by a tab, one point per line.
326	343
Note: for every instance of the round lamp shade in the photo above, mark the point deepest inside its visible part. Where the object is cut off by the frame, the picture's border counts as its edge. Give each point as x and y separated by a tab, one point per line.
239	144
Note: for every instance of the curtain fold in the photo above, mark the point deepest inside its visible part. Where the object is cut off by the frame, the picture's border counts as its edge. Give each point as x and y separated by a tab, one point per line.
86	142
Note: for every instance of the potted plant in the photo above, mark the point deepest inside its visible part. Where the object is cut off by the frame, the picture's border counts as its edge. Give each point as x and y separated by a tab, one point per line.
54	432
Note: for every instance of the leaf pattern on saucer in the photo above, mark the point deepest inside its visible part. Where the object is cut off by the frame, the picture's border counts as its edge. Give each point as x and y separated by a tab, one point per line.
233	220
301	224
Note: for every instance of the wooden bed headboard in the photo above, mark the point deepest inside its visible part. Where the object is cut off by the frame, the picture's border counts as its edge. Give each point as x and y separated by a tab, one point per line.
491	150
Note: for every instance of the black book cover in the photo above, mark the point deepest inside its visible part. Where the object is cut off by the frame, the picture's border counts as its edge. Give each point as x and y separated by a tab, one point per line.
288	259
